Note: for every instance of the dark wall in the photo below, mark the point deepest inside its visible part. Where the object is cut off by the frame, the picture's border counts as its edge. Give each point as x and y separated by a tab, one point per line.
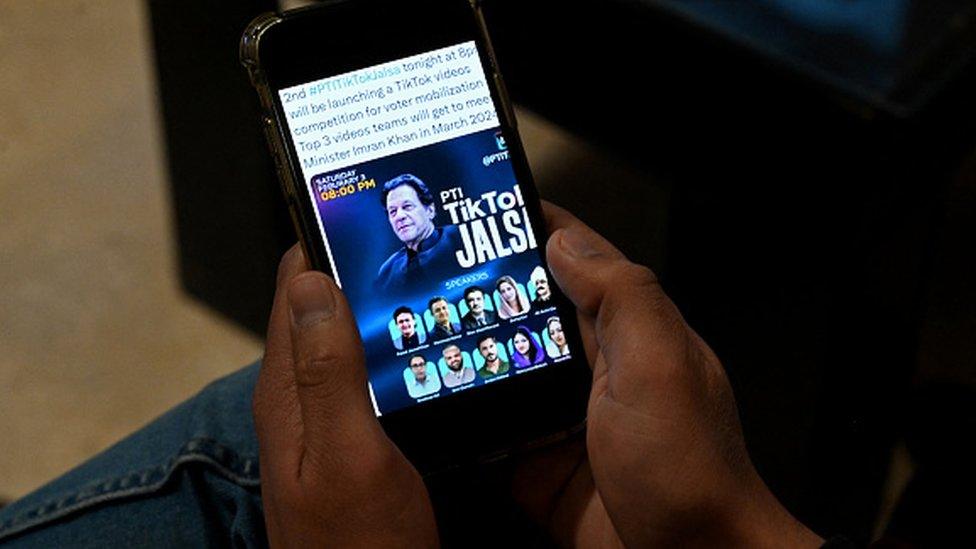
231	221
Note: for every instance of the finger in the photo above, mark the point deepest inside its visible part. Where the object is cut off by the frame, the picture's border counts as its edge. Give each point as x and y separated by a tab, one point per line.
635	322
337	416
292	264
557	218
572	248
275	404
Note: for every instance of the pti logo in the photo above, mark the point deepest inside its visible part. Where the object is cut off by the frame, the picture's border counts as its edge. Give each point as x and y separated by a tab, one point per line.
500	141
502	153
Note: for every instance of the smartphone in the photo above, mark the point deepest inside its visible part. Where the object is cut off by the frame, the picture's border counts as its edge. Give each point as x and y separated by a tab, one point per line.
399	156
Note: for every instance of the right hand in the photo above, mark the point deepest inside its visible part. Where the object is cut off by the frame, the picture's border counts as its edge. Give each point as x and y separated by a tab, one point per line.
665	462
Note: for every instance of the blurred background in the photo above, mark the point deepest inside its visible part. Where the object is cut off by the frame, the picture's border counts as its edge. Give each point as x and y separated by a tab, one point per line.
96	335
801	174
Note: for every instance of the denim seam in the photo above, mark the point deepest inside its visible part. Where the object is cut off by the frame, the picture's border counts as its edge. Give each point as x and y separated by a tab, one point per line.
102	491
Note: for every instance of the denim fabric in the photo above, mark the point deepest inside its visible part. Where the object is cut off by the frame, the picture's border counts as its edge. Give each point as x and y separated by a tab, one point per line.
188	479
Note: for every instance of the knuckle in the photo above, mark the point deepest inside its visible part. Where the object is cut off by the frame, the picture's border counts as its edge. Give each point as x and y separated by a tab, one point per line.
633	284
319	368
635	300
644	287
639	276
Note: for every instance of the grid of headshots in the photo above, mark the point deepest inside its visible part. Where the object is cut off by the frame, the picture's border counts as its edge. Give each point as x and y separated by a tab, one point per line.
482	334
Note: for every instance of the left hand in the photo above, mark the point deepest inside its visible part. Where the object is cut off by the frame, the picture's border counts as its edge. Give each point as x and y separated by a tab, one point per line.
329	474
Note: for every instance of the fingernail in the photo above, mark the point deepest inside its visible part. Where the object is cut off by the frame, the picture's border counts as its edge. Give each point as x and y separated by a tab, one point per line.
310	299
585	243
291	263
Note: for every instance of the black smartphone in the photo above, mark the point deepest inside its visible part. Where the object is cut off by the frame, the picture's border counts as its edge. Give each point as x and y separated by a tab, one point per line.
398	152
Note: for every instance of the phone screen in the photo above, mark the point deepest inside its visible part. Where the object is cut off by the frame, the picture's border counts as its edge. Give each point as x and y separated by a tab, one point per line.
425	225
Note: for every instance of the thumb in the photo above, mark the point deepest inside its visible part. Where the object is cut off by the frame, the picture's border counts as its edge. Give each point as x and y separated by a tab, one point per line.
330	374
583	263
591	270
635	322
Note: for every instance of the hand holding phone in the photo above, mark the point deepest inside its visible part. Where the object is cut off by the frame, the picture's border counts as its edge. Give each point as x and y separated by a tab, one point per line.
399	155
664	462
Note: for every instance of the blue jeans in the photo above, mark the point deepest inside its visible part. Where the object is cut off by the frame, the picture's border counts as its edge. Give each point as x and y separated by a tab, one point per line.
188	479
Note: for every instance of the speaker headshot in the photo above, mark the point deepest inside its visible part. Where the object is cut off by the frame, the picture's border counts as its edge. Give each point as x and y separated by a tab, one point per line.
440	309
420	377
406	323
556	346
540	281
512	299
494	365
457	373
526	350
477	316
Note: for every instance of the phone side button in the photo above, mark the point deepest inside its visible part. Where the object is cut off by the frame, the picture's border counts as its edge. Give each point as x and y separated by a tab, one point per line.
267	125
277	155
286	183
295	217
